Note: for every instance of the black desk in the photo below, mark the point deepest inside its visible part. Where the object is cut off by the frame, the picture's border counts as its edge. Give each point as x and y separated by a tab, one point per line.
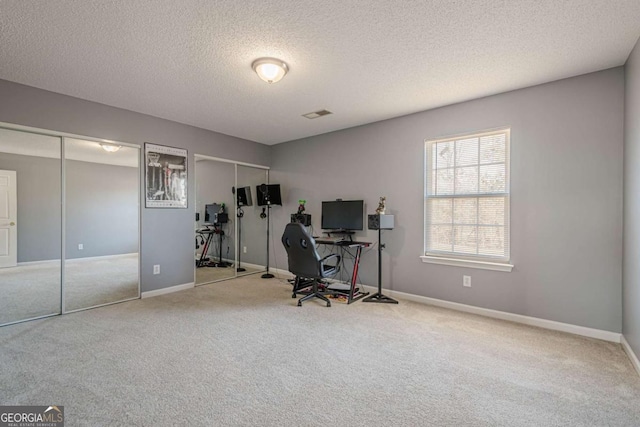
351	295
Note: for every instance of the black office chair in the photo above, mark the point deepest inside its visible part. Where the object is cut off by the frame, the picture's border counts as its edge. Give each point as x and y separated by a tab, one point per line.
305	262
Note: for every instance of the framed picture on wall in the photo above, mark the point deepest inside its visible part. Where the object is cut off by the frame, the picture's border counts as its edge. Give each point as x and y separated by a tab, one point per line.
165	176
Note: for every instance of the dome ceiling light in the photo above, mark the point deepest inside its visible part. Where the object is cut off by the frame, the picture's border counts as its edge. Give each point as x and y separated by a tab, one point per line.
271	70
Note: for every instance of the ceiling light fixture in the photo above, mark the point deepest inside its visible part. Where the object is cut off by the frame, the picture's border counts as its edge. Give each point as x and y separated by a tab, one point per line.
109	148
271	70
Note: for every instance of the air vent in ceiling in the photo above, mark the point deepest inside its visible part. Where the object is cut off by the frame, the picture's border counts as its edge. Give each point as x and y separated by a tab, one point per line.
317	114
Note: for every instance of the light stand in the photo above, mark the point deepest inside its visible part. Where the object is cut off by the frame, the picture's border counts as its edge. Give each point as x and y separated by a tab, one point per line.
240	215
267	275
378	296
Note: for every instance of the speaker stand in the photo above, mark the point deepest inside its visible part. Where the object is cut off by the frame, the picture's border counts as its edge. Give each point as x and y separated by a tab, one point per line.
378	297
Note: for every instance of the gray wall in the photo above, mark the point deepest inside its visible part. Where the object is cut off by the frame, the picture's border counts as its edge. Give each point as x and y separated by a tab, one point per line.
631	263
101	209
167	234
39	215
566	197
102	203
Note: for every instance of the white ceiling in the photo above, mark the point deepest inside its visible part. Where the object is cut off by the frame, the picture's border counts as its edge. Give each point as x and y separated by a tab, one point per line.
190	60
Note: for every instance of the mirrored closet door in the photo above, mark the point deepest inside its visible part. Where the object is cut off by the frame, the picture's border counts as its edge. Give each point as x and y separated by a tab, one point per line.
102	184
230	229
215	239
30	226
69	223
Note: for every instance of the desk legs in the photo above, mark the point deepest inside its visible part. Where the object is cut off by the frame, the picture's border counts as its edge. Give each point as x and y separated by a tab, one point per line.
354	278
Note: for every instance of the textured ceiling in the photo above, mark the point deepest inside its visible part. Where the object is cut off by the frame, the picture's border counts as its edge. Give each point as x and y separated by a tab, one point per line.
190	60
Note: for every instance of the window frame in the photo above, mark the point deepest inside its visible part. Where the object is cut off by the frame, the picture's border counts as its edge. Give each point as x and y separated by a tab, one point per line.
497	263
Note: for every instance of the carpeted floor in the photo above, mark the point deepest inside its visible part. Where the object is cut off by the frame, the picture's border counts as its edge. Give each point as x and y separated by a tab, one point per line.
33	290
241	353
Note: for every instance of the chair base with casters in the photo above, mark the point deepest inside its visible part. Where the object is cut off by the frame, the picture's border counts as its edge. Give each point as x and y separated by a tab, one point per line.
301	286
305	263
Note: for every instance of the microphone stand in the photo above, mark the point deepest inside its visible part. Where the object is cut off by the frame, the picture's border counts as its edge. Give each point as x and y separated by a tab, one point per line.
268	275
240	215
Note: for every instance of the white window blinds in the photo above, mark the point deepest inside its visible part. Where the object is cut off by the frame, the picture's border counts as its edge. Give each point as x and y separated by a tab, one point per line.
467	196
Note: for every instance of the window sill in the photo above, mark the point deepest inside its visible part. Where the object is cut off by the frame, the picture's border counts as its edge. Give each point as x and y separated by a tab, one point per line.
455	262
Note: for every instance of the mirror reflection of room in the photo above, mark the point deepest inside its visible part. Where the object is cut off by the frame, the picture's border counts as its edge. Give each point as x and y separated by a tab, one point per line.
215	221
30	225
252	255
101	211
102	197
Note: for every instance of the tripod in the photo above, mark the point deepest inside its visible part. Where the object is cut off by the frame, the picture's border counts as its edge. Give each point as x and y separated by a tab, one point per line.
378	297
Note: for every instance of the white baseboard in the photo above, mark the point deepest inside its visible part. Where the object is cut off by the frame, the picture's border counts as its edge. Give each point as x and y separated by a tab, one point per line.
43	262
518	318
167	290
102	257
254	266
92	258
632	356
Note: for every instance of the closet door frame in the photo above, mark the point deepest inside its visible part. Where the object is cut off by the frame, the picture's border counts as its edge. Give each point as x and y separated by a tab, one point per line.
235	205
63	136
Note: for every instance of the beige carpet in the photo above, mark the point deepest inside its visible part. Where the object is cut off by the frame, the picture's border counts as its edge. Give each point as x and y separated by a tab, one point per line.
241	353
33	290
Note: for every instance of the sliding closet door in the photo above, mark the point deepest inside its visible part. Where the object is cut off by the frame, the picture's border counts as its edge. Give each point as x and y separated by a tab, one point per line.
102	183
252	249
30	225
215	244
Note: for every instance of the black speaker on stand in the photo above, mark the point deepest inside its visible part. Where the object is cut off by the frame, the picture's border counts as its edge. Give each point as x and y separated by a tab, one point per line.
380	222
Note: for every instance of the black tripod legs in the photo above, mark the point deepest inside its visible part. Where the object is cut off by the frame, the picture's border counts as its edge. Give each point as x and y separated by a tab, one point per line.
378	297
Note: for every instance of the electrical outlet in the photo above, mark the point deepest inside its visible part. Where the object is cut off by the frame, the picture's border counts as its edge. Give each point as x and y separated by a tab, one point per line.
156	269
466	281
80	246
244	249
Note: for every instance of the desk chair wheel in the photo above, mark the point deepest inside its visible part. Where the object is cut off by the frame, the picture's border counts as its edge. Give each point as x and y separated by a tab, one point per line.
293	295
299	303
328	304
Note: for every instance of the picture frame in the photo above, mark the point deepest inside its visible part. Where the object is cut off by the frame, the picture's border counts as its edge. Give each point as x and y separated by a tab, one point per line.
166	173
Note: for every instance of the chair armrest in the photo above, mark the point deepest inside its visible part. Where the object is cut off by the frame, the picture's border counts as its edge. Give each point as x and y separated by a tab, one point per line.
329	257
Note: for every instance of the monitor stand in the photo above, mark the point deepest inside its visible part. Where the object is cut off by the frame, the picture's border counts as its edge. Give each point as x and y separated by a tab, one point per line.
343	232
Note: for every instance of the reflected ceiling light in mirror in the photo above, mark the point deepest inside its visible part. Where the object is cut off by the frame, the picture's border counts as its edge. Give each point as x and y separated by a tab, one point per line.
271	70
110	148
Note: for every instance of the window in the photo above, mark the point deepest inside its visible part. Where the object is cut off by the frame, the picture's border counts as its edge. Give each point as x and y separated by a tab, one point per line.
467	200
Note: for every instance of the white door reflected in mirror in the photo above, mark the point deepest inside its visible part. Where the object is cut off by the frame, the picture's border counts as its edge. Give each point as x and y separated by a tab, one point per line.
8	214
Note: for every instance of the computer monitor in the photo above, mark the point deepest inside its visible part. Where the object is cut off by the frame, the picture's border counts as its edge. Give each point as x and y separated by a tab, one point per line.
270	193
214	214
345	215
244	196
